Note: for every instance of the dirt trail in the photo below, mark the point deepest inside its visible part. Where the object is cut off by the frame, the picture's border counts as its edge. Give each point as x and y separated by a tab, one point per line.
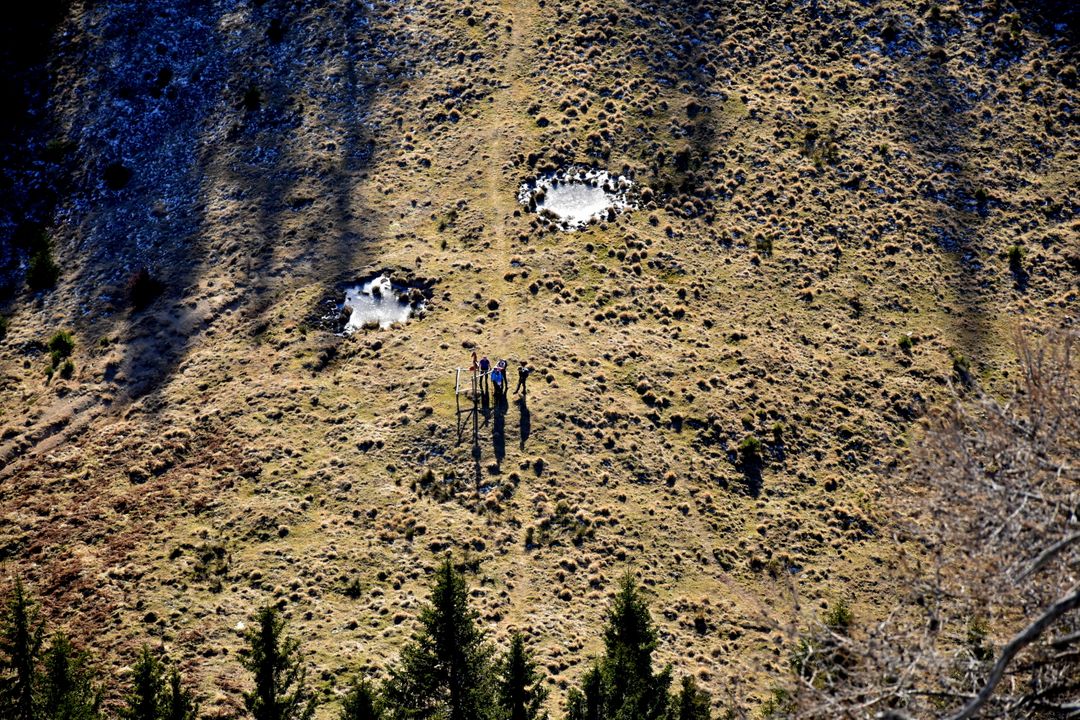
502	137
505	133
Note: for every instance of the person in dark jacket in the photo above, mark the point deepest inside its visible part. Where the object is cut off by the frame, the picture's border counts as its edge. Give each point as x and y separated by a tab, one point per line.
485	365
523	375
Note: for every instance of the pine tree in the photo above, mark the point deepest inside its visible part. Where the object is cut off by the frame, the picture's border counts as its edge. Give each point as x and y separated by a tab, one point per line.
20	645
361	703
632	690
178	704
446	670
280	677
630	637
521	690
146	699
622	684
692	703
67	687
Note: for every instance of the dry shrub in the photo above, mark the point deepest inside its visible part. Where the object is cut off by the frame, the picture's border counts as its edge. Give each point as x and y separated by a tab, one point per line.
987	626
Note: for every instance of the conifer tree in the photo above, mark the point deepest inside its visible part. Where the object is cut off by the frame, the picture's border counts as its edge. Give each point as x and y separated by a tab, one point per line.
67	690
178	704
280	692
361	703
521	690
446	670
622	684
147	696
20	645
691	703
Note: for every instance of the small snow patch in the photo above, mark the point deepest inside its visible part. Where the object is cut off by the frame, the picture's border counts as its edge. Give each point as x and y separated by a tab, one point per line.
574	197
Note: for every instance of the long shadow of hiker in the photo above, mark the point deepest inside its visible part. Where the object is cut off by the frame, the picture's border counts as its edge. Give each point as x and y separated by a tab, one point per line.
498	428
485	404
525	426
476	453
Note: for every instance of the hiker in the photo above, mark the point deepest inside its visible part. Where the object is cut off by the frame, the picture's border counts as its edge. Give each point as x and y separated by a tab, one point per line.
485	365
497	379
523	375
504	370
474	367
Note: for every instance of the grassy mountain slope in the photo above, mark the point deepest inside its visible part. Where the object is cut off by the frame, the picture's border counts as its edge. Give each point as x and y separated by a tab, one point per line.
820	181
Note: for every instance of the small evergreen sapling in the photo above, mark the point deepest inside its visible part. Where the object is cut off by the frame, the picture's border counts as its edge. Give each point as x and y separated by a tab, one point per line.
42	272
21	633
178	702
446	670
280	692
68	690
622	683
361	703
691	703
521	690
145	701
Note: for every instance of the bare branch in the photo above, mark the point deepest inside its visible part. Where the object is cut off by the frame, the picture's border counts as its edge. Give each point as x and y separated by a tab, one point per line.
1020	641
1049	554
1065	639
